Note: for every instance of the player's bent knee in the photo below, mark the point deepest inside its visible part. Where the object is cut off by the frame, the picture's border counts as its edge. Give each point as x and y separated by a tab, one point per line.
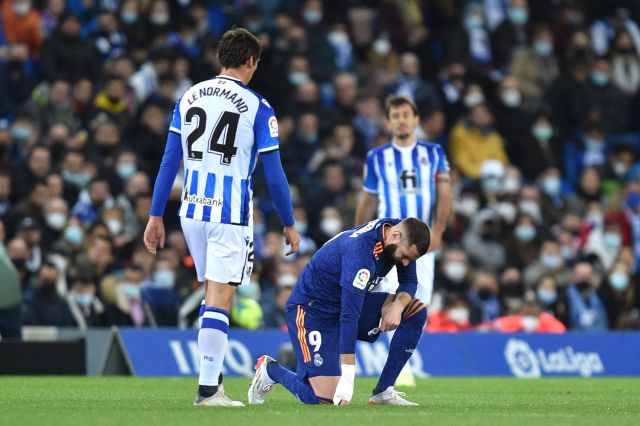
415	313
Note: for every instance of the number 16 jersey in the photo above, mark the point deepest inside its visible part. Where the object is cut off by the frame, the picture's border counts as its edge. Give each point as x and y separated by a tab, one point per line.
223	126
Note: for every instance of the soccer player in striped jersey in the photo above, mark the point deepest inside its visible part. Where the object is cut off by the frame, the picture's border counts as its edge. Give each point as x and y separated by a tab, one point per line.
407	178
219	128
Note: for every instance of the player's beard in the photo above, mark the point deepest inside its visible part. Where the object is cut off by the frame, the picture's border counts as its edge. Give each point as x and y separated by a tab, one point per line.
390	252
403	136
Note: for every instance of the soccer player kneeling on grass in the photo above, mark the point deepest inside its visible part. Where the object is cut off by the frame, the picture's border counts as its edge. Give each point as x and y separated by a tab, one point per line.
331	307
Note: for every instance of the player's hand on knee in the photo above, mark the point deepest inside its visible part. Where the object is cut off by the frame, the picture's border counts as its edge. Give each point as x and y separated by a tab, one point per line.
391	317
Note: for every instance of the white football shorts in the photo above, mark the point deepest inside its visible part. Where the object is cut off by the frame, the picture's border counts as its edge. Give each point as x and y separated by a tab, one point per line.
424	269
221	252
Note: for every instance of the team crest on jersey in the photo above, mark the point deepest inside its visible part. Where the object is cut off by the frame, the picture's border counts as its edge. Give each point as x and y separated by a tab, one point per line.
317	360
361	279
273	126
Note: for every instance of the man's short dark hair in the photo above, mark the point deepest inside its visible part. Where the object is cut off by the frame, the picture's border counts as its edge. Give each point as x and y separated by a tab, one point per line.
417	232
236	47
395	101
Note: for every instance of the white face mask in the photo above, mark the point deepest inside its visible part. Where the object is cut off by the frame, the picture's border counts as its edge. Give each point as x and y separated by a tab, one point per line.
468	206
331	226
455	271
530	323
507	211
21	8
56	220
530	207
458	315
132	291
472	99
382	46
115	226
511	98
338	38
159	18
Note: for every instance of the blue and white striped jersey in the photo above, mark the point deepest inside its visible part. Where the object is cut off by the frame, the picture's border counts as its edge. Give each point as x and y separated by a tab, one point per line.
404	179
223	126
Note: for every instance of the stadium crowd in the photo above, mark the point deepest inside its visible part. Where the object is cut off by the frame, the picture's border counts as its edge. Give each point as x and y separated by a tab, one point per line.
535	102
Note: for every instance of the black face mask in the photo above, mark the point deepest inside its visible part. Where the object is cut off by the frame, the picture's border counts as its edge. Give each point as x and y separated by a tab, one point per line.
583	286
19	263
14	66
512	289
485	294
47	287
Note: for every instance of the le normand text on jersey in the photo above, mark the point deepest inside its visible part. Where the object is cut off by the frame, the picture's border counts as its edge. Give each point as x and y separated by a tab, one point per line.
239	103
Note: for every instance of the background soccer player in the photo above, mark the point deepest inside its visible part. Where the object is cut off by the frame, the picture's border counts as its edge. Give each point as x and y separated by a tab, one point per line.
407	178
324	310
219	127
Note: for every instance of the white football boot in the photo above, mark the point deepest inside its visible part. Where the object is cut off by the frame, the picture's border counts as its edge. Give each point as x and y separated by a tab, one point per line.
218	399
390	397
261	384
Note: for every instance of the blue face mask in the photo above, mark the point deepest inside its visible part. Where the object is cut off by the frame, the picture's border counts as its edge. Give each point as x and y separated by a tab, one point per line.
473	22
20	133
619	281
78	179
164	278
525	233
599	78
551	185
551	261
129	17
125	171
518	15
312	16
542	133
547	297
74	235
543	48
83	299
612	240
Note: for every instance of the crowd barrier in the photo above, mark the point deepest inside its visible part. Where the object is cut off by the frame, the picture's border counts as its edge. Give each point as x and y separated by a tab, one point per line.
174	352
170	352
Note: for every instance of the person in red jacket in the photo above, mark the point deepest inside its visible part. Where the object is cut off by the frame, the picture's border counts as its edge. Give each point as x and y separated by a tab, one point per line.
530	319
454	317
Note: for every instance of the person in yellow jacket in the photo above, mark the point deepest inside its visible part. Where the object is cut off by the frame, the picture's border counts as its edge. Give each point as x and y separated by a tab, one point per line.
473	140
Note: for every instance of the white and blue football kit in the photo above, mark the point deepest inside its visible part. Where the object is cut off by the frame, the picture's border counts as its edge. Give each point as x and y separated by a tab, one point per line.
218	129
404	180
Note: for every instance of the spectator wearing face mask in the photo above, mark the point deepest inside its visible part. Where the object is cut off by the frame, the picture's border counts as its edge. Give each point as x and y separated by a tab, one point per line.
586	310
510	117
523	246
512	34
85	307
482	241
605	242
529	319
470	42
606	98
483	295
551	298
625	64
159	292
56	214
549	263
454	272
22	24
453	318
536	68
620	294
474	140
129	308
42	305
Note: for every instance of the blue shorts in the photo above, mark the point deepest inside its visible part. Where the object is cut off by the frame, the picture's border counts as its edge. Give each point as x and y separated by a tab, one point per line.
316	340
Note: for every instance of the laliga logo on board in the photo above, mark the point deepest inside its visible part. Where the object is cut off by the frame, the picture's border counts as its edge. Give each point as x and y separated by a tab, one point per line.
525	362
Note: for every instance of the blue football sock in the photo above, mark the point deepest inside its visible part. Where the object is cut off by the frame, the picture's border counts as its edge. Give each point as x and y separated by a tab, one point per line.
294	384
404	341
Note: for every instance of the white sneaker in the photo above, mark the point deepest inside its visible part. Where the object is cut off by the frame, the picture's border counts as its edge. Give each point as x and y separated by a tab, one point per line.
261	384
218	399
390	397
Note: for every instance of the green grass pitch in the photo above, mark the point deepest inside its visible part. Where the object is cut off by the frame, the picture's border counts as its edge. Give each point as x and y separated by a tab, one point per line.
446	401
